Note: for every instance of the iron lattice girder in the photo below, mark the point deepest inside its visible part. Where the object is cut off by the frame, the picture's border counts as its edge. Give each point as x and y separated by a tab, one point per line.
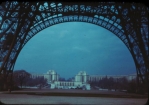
25	19
98	21
8	54
138	40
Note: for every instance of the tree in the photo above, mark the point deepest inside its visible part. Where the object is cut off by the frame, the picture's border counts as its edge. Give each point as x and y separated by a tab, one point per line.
20	77
110	83
70	79
36	81
62	79
132	86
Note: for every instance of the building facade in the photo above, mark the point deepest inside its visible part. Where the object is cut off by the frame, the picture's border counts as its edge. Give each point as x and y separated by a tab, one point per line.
51	76
100	77
35	75
53	80
82	79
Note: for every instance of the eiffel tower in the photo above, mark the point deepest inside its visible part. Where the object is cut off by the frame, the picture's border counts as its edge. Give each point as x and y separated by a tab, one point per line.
20	21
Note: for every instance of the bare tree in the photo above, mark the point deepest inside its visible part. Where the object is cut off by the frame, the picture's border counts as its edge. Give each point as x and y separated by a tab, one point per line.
36	81
20	77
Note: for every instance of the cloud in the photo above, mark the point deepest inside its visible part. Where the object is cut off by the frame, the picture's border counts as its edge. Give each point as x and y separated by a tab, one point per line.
76	46
82	49
63	33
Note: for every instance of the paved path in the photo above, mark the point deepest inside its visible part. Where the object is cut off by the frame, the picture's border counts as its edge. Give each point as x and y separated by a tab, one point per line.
67	100
60	100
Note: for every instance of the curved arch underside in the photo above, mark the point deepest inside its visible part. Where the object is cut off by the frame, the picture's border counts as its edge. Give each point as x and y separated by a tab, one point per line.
20	21
112	26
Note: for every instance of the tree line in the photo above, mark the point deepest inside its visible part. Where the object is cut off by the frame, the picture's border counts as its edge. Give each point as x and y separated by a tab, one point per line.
119	84
21	78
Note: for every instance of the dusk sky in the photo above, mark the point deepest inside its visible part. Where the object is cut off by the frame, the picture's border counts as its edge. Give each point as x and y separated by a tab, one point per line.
71	47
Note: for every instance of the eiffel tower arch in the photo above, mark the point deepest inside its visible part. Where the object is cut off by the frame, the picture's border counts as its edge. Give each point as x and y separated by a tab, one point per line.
20	21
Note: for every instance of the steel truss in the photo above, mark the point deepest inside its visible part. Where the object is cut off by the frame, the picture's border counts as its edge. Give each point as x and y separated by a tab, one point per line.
20	21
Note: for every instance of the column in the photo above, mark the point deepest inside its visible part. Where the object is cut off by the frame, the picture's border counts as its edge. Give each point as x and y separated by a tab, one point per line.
56	77
84	78
53	76
50	77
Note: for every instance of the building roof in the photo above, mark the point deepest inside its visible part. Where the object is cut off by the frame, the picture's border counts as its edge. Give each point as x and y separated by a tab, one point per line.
51	72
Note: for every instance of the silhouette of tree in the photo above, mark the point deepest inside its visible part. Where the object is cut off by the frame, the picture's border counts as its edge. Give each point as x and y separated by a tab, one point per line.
36	81
62	79
20	77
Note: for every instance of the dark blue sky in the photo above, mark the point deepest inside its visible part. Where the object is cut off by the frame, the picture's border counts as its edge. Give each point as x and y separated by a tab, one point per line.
71	47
